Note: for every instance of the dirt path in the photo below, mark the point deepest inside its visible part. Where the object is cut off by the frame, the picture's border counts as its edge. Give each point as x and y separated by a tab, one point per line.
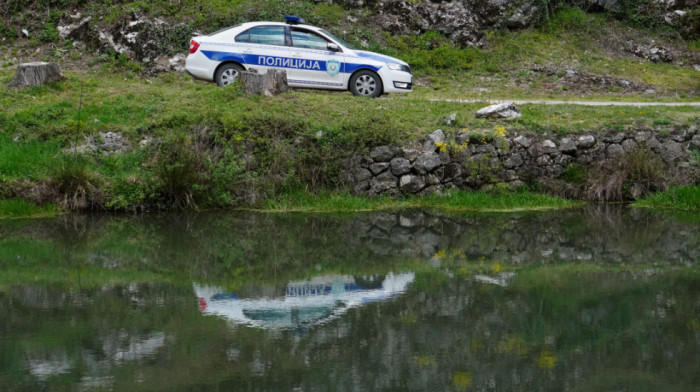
582	103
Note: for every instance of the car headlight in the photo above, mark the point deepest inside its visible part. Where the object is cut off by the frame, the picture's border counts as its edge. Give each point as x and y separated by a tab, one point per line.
398	67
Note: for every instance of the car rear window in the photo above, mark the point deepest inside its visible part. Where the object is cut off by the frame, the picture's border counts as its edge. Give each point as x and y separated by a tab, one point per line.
266	35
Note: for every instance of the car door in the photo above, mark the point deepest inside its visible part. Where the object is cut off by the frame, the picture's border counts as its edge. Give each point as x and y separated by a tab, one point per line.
315	65
263	47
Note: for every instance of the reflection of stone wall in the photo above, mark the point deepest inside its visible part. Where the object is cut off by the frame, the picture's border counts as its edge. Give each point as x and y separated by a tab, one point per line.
463	162
608	234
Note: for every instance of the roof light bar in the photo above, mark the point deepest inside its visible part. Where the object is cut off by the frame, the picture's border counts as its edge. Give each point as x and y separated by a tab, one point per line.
292	20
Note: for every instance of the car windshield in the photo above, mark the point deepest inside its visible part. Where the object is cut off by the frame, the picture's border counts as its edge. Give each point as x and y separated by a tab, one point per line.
336	39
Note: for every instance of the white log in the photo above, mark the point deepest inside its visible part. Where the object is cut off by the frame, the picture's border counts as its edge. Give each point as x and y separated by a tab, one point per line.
36	74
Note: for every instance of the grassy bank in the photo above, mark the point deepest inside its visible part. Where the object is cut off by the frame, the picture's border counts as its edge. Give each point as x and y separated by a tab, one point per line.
678	198
13	209
454	201
191	144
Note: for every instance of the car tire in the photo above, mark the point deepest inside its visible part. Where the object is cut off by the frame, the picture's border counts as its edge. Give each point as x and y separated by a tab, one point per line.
366	84
227	74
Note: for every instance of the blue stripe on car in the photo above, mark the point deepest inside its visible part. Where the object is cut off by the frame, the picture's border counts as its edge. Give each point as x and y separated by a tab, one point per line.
377	57
283	62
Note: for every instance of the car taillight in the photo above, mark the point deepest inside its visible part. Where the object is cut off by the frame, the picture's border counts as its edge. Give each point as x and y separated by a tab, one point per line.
194	45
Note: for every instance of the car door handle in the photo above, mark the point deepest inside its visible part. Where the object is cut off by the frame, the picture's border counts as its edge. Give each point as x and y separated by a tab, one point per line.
297	55
248	51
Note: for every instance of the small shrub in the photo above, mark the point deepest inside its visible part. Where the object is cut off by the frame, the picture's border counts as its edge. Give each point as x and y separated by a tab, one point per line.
49	33
76	184
575	174
636	174
179	168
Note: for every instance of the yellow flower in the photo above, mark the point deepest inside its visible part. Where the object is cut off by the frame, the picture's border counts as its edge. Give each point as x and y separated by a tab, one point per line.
462	380
547	360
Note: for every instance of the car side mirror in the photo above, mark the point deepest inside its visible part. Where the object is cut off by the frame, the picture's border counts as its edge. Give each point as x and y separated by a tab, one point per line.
333	47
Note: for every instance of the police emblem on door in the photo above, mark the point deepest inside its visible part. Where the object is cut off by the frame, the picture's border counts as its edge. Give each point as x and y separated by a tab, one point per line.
332	67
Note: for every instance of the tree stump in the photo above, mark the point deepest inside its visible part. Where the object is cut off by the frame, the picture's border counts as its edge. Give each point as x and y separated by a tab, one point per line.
36	74
272	83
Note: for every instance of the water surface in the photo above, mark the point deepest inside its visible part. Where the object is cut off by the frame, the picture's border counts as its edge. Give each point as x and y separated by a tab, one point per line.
601	298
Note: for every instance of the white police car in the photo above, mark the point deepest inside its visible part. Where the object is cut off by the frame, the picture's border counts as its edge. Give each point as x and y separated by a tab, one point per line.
312	57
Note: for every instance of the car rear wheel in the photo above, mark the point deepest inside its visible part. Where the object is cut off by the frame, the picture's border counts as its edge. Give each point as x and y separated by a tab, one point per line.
227	74
366	84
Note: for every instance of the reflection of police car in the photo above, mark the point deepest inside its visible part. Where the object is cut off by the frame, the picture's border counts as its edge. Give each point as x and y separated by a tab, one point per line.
304	303
311	56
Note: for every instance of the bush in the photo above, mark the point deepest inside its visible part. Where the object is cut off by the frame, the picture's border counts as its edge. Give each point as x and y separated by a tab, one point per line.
76	184
179	169
49	33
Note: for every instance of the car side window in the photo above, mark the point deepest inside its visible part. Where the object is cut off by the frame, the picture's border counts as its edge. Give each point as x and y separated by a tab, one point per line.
309	40
266	35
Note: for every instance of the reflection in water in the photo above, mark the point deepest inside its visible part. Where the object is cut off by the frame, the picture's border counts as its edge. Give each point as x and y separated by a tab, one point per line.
593	299
305	303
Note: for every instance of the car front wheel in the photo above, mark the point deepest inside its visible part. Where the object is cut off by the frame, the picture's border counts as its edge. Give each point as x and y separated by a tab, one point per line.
227	74
366	84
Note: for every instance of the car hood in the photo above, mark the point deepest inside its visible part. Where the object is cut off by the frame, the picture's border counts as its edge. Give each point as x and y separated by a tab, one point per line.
379	57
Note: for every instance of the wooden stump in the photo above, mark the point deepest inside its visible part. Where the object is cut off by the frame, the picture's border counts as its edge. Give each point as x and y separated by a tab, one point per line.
272	83
36	74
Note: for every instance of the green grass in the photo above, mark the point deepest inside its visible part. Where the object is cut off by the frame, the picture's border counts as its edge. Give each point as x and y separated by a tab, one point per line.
10	209
678	198
456	201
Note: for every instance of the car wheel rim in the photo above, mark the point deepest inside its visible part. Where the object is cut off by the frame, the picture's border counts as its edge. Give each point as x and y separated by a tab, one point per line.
366	85
228	76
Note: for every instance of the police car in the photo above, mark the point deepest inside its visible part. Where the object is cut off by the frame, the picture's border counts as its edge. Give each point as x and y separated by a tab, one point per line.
312	57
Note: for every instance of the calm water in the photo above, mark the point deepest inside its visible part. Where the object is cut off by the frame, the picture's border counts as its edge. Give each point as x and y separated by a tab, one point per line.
600	298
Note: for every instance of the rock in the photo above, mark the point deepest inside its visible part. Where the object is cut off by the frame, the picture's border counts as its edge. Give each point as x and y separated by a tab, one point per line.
427	163
112	143
614	137
462	138
449	120
548	147
671	151
516	160
36	74
502	110
485	149
361	175
585	141
567	146
629	145
432	179
614	151
411	184
522	141
642	136
439	189
378	168
431	140
400	166
382	183
695	141
410	154
452	171
383	153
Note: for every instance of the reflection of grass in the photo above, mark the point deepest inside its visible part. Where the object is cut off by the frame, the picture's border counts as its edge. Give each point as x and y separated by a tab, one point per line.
679	198
451	201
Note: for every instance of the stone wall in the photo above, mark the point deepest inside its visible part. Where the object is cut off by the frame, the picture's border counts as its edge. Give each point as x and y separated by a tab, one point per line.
462	161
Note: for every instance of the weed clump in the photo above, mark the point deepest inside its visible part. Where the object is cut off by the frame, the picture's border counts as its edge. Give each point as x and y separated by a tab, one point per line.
636	174
76	186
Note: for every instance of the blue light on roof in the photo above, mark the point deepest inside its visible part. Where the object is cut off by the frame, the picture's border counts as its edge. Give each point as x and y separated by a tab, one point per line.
294	20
